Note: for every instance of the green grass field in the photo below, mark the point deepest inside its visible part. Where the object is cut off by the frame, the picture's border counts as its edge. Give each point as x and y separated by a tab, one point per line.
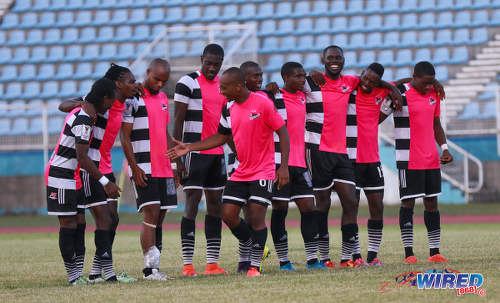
32	271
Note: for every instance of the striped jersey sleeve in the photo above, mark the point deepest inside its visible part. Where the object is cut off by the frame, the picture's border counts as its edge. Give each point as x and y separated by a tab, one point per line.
188	91
315	115
351	127
279	103
402	131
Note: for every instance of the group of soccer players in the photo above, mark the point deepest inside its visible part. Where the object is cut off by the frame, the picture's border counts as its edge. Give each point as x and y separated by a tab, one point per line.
297	143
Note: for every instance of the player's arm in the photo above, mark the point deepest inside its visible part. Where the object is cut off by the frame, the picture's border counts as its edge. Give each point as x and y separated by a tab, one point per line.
282	176
182	149
440	137
317	77
437	86
231	145
137	173
70	104
397	99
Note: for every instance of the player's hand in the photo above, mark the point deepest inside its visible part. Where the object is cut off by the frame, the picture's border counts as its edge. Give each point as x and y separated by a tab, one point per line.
179	172
90	110
282	177
139	90
397	99
317	77
439	90
112	190
272	87
139	176
446	157
178	151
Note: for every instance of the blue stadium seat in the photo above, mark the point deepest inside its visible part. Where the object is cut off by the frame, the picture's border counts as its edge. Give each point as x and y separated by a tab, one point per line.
83	18
231	33
74	5
28	72
55	125
285	27
366	58
403	57
21	55
197	45
322	41
265	11
170	3
64	71
267	27
301	9
178	49
84	87
52	36
423	54
142	3
47	19
10	21
288	44
426	5
4	126
374	40
73	53
50	89
108	52
3	39
106	34
68	89
482	4
374	23
141	33
9	72
427	20
408	6
123	33
34	109
461	36
120	16
356	24
386	57
479	35
93	4
409	21
304	26
65	19
275	62
444	37
17	109
312	61
101	68
21	6
294	57
409	38
35	126
13	90
31	90
127	51
462	19
340	40
441	56
357	41
19	127
444	20
230	12
276	77
488	94
269	45
322	25
195	34
373	7
156	15
211	13
101	17
489	110
157	29
46	72
124	3
193	14
90	53
88	34
391	6
40	5
388	75
39	54
355	7
391	22
351	59
426	38
283	10
495	18
339	24
338	8
471	111
138	16
247	12
34	37
174	14
403	72
463	4
69	36
56	54
305	43
444	5
319	8
480	18
460	55
16	37
29	20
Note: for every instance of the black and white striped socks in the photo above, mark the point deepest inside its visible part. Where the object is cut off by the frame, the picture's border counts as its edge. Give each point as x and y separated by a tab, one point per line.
433	224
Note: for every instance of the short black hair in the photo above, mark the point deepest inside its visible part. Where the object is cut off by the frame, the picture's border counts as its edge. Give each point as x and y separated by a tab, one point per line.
248	64
288	68
236	75
214	49
101	88
377	68
424	68
332	46
116	72
159	61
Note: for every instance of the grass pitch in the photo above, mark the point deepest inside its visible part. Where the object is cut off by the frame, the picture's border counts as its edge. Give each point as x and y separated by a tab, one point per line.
31	270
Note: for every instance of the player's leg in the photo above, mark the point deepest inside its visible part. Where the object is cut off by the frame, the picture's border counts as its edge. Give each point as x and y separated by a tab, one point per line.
257	211
279	233
349	226
375	224
113	211
188	226
103	259
432	217
151	214
80	233
244	248
67	235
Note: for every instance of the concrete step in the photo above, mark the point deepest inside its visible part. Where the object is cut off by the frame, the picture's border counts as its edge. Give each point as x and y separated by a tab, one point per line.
478	74
488	56
494	43
483	62
460	94
497	37
456	100
454	82
494	68
454	107
490	50
462	88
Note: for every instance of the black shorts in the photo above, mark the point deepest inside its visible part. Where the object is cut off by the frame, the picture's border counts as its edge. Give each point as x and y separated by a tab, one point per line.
300	185
241	192
418	183
327	168
93	190
65	202
159	191
206	172
369	177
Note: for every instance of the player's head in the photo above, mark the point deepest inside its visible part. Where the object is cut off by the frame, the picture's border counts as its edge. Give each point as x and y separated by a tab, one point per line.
423	77
232	83
253	75
211	60
157	75
124	80
102	95
294	76
333	59
370	77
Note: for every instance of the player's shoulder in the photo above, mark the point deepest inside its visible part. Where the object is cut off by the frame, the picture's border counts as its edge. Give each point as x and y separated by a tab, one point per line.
80	118
189	78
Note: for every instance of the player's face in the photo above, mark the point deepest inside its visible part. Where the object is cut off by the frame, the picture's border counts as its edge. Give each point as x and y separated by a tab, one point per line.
106	105
296	80
423	83
228	88
157	77
368	81
210	65
333	61
126	85
253	79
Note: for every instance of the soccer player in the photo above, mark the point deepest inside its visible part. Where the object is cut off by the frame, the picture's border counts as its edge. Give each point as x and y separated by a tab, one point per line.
198	105
144	136
77	148
110	124
290	102
251	119
331	142
417	130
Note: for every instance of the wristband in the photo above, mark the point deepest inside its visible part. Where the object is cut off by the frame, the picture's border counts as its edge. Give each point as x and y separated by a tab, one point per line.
174	165
444	146
104	181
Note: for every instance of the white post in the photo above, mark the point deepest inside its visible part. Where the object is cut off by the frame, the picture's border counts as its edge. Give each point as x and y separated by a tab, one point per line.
45	134
466	178
497	118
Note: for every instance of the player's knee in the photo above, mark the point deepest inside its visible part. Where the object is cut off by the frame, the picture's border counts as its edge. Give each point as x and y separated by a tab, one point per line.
280	205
